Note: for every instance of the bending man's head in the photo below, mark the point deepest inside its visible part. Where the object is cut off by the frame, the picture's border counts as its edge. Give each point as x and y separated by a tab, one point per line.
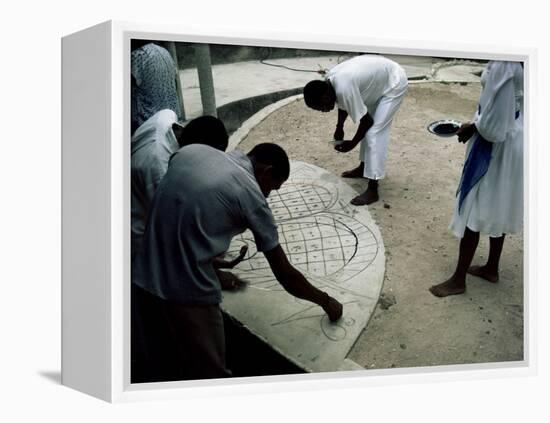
206	130
271	166
319	95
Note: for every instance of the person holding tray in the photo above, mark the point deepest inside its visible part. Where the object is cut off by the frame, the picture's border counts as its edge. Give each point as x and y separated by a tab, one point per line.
490	195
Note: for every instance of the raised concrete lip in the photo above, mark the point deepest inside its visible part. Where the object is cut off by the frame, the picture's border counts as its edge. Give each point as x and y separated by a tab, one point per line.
243	131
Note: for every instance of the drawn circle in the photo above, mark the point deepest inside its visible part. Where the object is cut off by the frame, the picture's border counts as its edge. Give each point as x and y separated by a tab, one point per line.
320	246
332	331
349	321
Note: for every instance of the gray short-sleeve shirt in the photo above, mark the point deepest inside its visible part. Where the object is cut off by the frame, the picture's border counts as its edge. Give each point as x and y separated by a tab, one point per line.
204	200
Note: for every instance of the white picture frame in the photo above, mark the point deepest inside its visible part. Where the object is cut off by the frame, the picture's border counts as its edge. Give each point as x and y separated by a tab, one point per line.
96	227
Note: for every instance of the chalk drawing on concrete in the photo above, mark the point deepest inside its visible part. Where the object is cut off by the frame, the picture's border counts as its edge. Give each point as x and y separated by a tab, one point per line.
296	200
332	331
323	245
338	249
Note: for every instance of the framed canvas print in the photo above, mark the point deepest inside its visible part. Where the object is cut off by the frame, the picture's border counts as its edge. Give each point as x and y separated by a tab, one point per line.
247	212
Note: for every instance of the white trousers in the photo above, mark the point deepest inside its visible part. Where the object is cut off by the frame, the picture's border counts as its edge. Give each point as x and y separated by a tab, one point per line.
374	147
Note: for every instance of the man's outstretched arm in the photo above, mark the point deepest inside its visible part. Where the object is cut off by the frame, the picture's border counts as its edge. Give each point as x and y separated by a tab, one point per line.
296	284
339	132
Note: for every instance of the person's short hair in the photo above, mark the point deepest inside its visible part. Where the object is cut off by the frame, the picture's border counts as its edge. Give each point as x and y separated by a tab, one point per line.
270	154
206	130
314	91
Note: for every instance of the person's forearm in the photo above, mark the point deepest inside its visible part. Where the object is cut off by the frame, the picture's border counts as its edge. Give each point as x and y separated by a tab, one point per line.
342	116
364	125
297	285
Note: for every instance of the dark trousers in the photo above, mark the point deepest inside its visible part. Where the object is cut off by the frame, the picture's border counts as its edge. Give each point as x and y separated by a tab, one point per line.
171	341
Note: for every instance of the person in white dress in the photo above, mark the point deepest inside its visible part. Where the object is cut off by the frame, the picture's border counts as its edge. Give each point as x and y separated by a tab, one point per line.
490	195
370	89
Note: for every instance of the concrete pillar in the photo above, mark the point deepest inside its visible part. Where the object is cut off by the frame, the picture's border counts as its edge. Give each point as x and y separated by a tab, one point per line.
172	49
206	82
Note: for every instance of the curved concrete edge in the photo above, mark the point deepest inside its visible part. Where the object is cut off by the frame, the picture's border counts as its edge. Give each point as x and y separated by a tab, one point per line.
349	365
243	131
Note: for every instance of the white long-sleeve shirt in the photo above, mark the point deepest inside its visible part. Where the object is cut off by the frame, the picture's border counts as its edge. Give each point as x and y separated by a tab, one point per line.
152	146
494	206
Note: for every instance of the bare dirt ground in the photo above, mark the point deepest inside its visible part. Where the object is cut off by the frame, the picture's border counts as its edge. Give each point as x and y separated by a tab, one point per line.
410	327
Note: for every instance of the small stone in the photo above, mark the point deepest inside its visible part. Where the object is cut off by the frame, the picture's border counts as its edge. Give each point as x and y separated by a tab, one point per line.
481	308
386	300
387	206
403	346
488	332
490	321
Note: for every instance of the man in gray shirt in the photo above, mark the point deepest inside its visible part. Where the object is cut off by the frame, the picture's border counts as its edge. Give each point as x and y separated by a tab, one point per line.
205	199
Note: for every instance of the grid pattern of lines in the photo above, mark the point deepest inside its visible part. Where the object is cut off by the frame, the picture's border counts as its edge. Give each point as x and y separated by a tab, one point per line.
295	200
322	245
330	242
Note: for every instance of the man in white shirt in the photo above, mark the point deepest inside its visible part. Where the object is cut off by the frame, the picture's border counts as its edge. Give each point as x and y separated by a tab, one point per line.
370	89
153	144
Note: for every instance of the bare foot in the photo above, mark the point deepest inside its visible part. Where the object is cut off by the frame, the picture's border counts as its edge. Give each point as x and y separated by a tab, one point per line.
354	173
450	287
483	273
368	197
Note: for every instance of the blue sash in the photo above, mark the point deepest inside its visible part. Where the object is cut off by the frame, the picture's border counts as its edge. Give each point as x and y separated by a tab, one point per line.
476	166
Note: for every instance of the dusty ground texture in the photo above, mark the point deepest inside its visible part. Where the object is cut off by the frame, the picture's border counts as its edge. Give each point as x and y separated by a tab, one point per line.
410	327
